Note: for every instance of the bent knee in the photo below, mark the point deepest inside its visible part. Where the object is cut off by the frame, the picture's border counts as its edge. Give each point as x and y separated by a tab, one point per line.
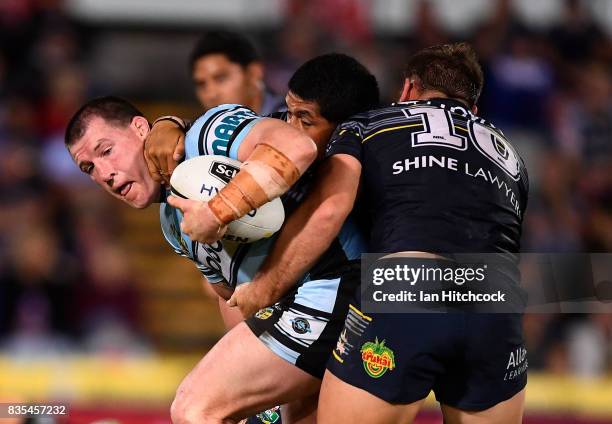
182	413
187	409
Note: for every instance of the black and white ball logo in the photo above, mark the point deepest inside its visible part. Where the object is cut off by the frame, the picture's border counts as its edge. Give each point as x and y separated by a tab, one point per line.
223	171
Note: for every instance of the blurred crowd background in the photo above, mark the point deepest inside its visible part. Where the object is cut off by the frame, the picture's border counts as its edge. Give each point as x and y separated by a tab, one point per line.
82	274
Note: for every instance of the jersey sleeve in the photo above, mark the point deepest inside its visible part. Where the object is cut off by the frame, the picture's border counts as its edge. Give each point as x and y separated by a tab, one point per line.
211	275
220	131
347	139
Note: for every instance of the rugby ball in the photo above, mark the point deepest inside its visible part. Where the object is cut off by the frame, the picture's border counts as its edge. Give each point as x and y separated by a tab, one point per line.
201	177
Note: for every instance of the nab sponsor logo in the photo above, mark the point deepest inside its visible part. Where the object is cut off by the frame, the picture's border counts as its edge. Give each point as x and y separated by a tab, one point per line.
222	130
223	171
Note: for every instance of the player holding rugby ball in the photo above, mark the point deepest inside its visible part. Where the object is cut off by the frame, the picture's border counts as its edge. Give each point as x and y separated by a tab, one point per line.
279	356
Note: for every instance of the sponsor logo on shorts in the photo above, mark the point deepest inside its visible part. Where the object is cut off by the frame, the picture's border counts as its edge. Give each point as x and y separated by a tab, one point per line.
264	313
270	416
517	364
300	325
377	358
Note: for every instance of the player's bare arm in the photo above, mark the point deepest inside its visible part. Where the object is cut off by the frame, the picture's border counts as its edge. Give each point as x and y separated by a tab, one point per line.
231	316
271	165
307	233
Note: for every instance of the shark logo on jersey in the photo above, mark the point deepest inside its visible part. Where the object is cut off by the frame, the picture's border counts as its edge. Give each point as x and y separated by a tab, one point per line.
300	325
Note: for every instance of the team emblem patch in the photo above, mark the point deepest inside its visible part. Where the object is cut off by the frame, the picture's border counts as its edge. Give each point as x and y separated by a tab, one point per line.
377	358
500	147
264	313
300	325
270	416
341	347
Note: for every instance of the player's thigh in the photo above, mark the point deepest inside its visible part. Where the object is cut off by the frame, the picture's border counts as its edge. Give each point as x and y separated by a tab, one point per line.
339	402
507	412
241	376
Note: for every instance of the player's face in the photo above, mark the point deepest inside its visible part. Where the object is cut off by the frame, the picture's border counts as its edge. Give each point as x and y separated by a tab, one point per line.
219	81
113	157
306	116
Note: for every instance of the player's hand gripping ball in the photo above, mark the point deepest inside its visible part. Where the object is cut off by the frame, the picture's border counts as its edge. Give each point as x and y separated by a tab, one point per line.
202	177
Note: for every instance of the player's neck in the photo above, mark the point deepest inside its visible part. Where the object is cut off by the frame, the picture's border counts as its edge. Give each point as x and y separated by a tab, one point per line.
413	92
257	100
431	94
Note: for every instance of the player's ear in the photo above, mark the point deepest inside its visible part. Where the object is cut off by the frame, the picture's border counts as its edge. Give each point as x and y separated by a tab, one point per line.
141	126
406	90
475	110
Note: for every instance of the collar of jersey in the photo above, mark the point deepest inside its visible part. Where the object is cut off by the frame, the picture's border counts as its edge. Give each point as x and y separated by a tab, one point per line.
437	101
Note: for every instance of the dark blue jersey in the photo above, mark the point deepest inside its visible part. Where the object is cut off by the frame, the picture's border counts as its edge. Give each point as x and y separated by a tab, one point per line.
436	178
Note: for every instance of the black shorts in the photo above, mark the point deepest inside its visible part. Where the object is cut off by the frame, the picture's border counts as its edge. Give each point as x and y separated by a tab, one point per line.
471	361
304	326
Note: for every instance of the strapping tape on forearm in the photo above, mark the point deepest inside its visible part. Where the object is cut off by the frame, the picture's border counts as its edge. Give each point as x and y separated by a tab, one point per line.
241	195
269	156
266	175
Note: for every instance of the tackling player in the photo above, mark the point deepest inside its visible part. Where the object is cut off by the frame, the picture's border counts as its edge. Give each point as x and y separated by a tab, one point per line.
422	209
286	362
